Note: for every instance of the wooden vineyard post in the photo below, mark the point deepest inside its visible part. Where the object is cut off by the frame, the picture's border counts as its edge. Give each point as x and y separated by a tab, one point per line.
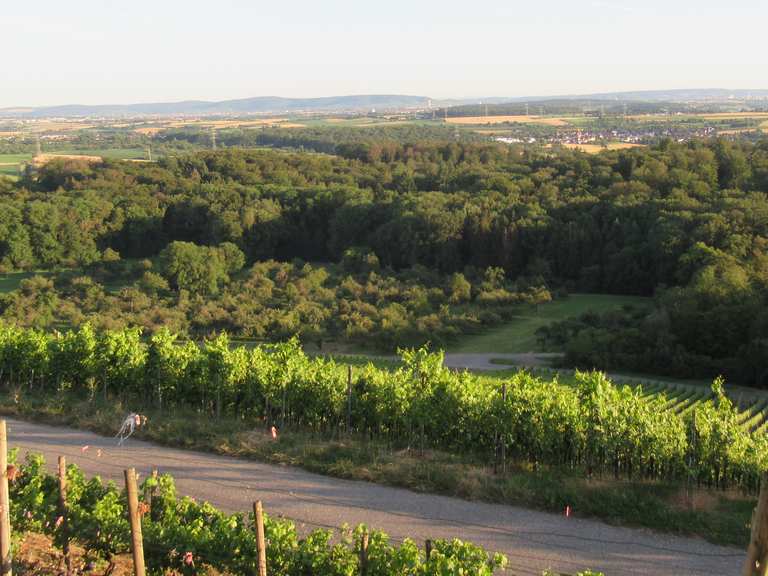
261	545
349	399
149	492
137	544
756	563
364	554
5	506
428	548
64	513
503	442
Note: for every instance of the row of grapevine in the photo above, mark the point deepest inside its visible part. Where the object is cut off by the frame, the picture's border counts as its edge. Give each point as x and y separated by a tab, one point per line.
188	537
595	425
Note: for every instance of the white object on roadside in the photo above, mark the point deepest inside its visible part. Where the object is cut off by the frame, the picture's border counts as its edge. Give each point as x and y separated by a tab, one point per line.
131	422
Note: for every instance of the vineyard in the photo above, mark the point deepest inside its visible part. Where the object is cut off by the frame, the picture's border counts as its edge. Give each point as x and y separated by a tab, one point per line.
682	398
590	425
188	537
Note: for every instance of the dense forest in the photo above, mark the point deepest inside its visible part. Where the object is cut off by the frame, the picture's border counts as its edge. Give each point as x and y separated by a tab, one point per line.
687	223
326	139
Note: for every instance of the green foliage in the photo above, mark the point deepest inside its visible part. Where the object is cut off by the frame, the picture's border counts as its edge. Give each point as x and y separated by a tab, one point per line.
200	269
593	425
684	221
274	301
174	528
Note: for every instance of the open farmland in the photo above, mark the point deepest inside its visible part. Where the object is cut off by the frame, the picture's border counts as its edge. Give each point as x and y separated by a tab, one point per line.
521	119
711	117
45	125
597	148
9	163
228	123
112	153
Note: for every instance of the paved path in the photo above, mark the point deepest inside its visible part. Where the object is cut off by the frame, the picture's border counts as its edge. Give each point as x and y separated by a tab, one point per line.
532	540
482	360
741	395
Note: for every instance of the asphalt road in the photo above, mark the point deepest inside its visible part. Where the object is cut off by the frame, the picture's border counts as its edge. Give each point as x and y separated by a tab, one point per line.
532	540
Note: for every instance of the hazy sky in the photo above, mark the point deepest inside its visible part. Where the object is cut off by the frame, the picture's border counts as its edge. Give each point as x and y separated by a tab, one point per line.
103	51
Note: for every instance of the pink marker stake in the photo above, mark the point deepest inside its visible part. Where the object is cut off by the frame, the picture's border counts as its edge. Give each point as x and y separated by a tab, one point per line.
274	433
567	511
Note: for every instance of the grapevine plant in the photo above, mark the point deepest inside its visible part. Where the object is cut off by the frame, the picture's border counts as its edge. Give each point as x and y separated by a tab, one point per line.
190	537
594	425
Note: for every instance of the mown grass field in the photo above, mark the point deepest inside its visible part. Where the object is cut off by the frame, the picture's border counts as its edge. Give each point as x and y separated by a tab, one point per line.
520	335
9	163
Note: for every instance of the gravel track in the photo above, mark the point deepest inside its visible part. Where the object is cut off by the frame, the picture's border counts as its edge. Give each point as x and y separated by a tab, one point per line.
532	540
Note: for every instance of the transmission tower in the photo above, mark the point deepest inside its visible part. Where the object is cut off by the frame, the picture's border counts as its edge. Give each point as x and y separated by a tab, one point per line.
38	148
213	138
526	108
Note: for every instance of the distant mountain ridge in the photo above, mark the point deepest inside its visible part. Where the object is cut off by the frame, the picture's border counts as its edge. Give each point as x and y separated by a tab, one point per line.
261	104
676	95
361	102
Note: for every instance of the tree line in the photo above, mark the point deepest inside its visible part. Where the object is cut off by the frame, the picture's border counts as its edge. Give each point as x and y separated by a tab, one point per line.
687	217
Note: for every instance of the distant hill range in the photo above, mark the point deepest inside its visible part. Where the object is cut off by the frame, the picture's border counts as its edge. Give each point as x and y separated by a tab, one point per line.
365	102
680	95
259	105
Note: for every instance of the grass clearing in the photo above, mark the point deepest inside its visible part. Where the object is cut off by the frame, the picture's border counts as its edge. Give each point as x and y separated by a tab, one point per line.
10	282
520	335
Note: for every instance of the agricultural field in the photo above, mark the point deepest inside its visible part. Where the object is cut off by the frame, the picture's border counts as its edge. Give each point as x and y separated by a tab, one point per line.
9	163
519	336
14	158
219	124
597	148
46	125
711	117
113	153
521	119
